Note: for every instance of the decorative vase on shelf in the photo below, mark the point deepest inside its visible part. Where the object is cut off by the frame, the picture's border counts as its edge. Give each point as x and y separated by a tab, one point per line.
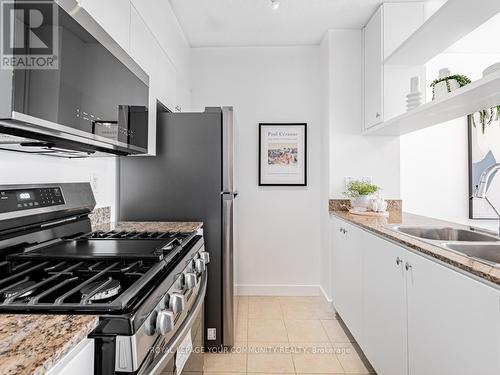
414	98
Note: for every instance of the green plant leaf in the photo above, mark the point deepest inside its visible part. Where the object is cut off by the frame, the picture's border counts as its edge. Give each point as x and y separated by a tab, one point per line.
360	188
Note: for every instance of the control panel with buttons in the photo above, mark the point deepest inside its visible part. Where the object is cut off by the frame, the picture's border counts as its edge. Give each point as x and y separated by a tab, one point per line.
17	200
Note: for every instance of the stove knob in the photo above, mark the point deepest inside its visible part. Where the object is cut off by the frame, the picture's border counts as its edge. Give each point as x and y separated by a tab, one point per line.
176	302
180	282
205	255
199	265
164	322
151	323
191	280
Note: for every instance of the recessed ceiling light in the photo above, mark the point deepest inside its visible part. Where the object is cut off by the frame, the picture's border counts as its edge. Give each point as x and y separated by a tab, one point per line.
275	4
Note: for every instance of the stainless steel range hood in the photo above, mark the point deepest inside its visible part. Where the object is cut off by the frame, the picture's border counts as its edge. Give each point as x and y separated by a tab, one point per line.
93	104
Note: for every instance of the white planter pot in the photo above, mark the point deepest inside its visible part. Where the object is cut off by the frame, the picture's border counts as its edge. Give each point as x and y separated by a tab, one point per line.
441	88
361	203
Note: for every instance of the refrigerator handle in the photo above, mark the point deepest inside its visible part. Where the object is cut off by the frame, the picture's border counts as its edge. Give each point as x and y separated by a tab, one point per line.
228	271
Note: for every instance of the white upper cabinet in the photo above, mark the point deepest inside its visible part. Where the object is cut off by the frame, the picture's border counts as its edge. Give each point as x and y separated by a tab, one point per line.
150	32
143	51
453	322
405	56
164	25
385	87
143	46
373	70
400	20
113	16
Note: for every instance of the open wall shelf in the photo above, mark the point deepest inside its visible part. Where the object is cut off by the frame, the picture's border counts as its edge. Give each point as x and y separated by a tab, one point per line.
481	94
453	21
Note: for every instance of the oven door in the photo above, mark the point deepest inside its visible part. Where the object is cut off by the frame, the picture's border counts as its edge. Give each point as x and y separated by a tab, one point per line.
184	352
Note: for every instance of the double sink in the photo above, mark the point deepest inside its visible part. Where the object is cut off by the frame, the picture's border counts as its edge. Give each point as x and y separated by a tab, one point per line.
478	245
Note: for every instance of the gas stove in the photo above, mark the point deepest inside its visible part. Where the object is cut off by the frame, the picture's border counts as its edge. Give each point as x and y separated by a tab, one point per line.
145	286
95	272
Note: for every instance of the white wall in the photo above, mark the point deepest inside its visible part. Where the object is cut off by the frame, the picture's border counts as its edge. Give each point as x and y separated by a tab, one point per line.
434	161
18	168
325	249
348	152
352	154
279	227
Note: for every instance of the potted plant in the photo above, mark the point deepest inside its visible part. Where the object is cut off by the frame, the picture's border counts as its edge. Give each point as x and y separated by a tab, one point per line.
446	83
360	193
486	117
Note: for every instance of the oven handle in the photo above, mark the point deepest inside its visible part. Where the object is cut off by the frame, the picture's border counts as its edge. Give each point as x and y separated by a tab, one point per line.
157	366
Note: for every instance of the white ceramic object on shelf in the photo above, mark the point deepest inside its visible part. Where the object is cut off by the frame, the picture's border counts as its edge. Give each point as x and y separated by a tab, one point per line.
491	69
414	98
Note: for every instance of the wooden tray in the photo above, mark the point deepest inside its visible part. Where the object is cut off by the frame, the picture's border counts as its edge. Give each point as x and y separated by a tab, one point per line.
369	213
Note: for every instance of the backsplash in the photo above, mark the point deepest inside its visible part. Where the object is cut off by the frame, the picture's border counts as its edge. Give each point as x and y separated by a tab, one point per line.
345	204
101	215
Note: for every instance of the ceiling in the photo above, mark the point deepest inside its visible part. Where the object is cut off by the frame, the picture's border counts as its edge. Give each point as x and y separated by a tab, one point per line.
222	23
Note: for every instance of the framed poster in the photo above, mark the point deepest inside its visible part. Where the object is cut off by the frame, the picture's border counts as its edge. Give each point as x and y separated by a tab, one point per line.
283	154
484	150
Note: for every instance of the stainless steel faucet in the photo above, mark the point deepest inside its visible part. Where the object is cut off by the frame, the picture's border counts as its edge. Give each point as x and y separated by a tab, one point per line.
482	187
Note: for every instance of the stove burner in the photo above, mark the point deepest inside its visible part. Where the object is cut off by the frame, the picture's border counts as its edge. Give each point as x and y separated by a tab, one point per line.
11	292
100	290
133	235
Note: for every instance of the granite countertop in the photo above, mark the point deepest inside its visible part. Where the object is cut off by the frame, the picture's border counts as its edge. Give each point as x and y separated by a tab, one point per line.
33	344
379	225
151	226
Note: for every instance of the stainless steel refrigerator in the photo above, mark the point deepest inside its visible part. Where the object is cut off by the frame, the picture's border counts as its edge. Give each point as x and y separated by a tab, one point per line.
192	179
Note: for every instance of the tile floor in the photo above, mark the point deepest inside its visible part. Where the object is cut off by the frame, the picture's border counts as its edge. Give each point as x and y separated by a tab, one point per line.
288	335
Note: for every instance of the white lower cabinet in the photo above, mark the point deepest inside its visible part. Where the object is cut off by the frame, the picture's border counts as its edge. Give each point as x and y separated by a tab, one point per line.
79	361
347	276
418	317
453	322
384	301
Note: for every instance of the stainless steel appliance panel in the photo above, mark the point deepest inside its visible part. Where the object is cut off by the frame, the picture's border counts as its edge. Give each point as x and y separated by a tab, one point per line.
228	287
97	94
228	150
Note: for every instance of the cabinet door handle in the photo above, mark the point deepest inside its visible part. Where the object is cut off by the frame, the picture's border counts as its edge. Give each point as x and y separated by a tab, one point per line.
408	266
377	115
399	261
